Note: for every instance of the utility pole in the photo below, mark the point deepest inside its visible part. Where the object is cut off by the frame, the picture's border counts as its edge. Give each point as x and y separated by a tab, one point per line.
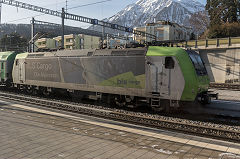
63	17
32	34
66	6
0	13
103	35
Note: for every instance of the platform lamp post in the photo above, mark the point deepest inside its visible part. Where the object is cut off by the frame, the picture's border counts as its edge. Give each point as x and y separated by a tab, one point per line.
0	13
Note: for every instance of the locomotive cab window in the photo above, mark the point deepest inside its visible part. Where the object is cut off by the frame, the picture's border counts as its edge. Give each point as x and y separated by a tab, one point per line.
169	63
2	67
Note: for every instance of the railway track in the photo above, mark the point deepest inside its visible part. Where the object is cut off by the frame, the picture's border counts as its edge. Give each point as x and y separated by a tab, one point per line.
152	120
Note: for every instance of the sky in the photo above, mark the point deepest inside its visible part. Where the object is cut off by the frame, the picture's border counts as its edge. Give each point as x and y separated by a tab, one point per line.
98	11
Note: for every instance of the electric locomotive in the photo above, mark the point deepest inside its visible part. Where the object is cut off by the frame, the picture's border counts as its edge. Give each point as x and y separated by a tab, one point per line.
162	77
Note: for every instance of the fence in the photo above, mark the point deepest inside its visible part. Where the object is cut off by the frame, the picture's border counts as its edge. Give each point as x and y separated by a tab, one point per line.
220	42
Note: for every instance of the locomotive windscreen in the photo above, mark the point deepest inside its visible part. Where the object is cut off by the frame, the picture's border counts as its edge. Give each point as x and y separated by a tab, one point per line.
197	63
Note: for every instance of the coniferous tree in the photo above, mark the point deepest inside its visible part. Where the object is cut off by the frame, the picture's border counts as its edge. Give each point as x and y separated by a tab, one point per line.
13	42
230	11
213	7
222	11
224	18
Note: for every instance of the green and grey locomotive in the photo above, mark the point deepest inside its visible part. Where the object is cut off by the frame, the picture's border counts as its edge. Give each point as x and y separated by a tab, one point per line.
162	77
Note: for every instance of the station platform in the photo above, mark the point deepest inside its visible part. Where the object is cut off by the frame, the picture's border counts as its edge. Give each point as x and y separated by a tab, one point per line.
31	132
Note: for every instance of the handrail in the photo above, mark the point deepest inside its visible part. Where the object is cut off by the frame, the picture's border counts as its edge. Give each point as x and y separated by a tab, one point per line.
218	42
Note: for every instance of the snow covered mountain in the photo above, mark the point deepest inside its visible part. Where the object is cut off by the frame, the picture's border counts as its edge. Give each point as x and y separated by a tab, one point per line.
146	11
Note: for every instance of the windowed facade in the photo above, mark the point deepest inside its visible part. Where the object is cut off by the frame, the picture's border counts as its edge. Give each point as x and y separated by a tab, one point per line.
164	31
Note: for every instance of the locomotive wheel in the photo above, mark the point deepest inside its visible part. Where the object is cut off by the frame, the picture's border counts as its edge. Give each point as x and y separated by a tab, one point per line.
30	90
131	102
206	99
120	101
45	92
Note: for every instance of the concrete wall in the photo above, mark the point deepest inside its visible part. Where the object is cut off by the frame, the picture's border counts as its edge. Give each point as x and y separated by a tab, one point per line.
223	64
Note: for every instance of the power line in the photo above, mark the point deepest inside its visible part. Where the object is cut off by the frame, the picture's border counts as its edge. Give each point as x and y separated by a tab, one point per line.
84	5
38	14
66	9
89	4
24	18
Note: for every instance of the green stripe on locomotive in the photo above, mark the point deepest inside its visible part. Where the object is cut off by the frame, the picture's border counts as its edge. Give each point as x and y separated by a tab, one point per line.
6	65
126	80
194	84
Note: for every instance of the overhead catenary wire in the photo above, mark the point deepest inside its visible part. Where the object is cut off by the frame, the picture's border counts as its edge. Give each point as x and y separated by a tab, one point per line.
66	1
89	4
79	18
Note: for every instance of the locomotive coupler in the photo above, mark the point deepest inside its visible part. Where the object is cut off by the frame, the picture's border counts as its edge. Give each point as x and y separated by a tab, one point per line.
213	95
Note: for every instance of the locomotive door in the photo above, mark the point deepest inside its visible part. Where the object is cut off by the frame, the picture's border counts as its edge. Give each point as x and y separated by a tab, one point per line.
154	68
166	76
20	69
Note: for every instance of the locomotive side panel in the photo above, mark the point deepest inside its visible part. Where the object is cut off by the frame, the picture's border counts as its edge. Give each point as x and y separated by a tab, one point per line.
114	71
43	70
166	81
106	74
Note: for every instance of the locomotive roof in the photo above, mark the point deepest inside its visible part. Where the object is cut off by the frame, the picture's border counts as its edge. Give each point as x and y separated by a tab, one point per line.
5	55
165	51
22	55
88	52
151	51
